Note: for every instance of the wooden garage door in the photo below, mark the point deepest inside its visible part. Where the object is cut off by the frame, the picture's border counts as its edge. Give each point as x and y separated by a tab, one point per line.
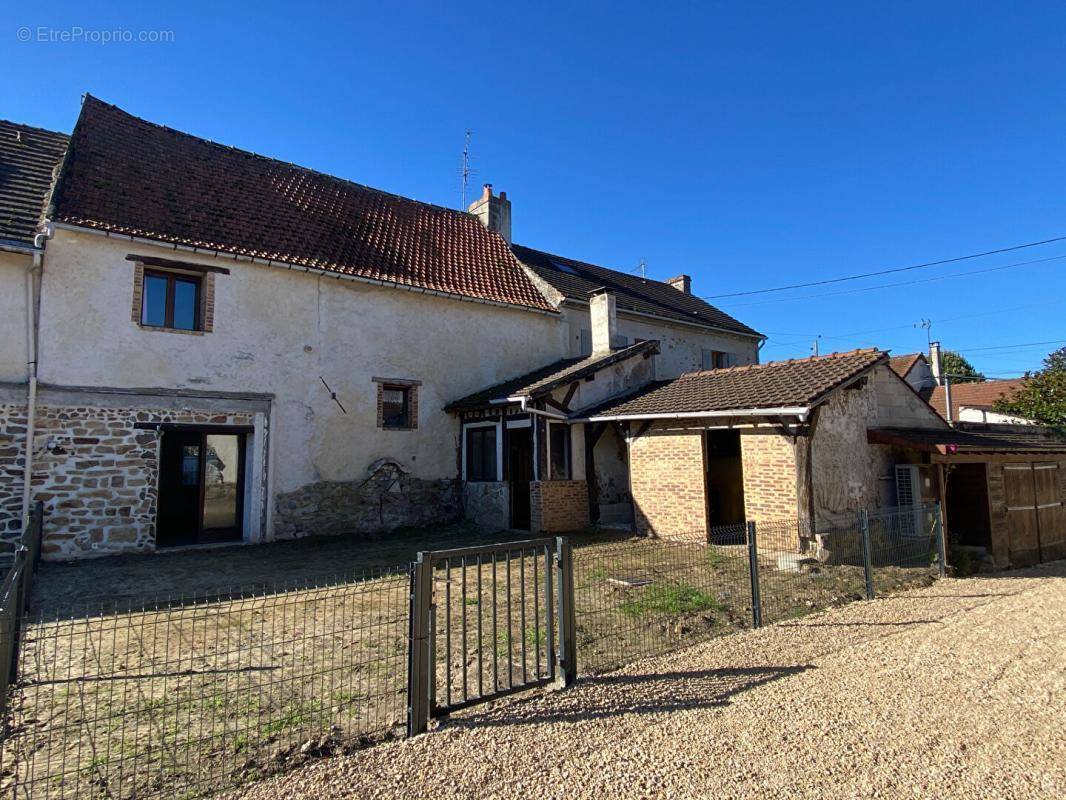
1035	516
1050	514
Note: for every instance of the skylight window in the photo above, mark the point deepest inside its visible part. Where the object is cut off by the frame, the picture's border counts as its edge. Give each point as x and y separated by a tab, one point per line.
559	265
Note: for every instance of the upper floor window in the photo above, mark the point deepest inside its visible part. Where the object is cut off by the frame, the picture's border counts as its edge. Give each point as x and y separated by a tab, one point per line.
169	300
717	359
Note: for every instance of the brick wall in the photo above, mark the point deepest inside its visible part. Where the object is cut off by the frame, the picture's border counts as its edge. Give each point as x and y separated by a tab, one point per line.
667	478
769	461
558	506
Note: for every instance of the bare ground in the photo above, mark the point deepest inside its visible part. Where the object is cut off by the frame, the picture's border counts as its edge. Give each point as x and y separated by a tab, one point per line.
954	690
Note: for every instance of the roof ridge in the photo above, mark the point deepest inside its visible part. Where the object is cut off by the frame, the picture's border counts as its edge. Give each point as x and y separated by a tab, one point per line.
278	161
787	362
34	128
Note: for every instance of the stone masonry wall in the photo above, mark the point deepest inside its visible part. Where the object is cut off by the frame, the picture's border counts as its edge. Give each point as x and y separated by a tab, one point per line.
12	438
770	497
558	506
386	499
487	504
667	477
96	474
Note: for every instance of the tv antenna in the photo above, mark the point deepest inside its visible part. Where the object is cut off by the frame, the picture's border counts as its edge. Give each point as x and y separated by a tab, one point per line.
465	171
928	325
642	268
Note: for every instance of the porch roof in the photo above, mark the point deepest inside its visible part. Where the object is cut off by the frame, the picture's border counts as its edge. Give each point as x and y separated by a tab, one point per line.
957	442
541	381
777	388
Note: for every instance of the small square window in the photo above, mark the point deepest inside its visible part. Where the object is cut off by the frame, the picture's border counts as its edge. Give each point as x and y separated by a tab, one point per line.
717	359
170	300
396	406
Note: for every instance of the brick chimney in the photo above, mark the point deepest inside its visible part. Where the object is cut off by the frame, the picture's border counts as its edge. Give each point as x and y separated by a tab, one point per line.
604	321
683	283
494	212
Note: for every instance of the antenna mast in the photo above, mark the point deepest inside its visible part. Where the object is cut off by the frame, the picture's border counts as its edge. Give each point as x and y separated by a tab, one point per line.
465	172
928	325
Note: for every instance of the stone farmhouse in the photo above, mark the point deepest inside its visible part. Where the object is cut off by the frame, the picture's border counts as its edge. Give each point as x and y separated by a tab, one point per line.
204	345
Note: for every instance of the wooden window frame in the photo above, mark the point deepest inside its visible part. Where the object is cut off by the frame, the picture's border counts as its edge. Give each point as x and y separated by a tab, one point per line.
168	314
481	430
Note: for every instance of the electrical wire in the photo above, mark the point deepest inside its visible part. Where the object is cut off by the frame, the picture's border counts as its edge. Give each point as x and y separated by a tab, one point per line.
888	271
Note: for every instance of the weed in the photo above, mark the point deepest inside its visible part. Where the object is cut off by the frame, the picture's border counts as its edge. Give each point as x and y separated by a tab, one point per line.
674	599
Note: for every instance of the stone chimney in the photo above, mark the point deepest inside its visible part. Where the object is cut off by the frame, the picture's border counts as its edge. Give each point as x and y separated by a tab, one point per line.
604	321
494	212
934	363
683	283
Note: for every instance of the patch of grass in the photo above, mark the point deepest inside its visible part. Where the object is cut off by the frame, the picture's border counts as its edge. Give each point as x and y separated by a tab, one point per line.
673	599
471	601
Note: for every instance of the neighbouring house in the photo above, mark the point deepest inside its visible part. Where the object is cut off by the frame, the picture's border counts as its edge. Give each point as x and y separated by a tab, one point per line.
914	368
815	441
225	347
974	402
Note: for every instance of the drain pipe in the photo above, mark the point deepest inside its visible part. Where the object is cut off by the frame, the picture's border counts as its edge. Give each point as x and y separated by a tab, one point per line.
31	367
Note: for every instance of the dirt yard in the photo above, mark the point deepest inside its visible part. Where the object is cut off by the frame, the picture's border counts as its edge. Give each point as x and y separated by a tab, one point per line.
156	696
955	690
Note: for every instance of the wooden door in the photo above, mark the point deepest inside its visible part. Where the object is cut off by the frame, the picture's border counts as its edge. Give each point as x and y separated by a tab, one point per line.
1050	514
519	474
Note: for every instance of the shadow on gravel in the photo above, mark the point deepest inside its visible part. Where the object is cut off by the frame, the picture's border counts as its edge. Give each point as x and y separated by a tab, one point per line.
616	695
906	624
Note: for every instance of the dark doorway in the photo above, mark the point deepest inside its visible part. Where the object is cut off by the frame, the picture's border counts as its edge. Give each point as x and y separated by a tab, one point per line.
201	487
519	443
725	479
967	506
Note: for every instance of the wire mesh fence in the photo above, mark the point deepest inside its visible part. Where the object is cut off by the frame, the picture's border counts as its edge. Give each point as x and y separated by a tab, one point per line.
182	698
640	597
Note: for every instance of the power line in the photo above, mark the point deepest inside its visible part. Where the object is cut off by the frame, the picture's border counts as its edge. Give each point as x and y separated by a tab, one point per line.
1005	346
887	271
899	283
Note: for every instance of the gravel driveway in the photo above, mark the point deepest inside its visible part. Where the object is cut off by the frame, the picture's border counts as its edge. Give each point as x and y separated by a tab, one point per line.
956	690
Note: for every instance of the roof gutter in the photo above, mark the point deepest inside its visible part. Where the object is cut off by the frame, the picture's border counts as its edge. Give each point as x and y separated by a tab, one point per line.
270	262
801	412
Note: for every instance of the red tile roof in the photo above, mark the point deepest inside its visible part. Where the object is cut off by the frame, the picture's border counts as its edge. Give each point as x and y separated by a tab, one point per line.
130	176
776	384
901	365
979	394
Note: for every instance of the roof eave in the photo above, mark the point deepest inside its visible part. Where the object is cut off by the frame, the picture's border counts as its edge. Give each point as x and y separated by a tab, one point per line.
693	323
800	412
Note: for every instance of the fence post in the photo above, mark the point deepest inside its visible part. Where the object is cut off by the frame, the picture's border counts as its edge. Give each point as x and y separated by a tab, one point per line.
419	674
941	545
8	628
566	653
753	568
864	530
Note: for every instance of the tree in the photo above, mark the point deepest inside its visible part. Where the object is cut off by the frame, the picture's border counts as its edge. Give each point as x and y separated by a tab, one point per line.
958	369
1043	395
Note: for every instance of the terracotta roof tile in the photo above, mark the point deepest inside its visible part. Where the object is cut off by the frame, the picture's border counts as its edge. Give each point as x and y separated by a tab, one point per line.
129	176
901	365
28	158
977	394
772	385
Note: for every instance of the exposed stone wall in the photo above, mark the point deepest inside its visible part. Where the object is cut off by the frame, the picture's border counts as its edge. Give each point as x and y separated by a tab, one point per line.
12	439
97	475
487	504
386	499
770	488
667	478
558	506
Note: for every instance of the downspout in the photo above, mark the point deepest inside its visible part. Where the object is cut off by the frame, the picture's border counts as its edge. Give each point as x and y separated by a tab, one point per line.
36	266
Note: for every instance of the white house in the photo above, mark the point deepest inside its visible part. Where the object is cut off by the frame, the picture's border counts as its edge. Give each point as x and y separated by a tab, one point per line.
226	347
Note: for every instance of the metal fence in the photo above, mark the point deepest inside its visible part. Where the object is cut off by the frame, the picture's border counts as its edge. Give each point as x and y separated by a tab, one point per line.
186	696
190	695
15	591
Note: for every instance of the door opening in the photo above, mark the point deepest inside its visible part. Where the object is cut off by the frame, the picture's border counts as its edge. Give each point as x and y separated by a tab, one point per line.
519	442
966	506
201	487
725	479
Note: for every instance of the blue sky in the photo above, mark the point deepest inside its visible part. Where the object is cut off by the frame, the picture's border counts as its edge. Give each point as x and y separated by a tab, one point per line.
750	145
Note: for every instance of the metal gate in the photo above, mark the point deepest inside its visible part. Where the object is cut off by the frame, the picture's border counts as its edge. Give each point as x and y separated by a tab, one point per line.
487	622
